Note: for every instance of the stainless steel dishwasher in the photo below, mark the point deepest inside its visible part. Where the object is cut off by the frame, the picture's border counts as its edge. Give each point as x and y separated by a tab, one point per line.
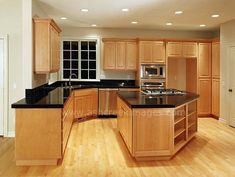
107	102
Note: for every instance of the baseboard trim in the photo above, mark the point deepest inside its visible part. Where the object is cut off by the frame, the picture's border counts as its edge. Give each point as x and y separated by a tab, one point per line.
222	120
11	134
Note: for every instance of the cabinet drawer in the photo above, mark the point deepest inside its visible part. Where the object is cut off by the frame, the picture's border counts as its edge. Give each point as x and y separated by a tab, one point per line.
84	92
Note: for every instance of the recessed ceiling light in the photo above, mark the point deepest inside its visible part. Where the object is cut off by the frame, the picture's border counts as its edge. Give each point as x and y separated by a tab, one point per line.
125	10
215	15
134	22
178	12
202	25
168	24
94	25
84	10
63	18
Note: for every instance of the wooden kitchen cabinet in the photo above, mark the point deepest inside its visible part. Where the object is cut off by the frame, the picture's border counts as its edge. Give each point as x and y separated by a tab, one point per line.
152	52
124	122
204	103
120	55
67	121
182	49
46	46
85	102
216	60
109	55
174	49
189	49
131	55
215	97
204	66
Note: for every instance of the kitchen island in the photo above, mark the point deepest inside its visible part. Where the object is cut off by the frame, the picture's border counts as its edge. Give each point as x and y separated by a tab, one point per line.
156	127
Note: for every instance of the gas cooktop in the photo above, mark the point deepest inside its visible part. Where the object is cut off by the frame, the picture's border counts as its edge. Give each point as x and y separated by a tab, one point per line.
163	92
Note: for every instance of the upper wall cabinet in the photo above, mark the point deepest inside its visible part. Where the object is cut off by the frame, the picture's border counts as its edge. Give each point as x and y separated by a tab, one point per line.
120	55
152	52
182	49
204	67
216	60
46	46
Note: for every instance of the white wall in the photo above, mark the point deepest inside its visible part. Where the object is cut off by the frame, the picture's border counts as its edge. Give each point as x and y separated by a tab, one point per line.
227	37
129	33
11	24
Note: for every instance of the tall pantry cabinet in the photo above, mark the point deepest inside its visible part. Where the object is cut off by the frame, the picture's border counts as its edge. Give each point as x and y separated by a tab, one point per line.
204	79
215	107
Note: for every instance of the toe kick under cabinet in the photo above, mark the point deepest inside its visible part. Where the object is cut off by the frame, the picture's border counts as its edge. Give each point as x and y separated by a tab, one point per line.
156	133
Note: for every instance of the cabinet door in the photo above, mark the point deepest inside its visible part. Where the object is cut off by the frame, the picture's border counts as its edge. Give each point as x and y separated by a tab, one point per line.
189	49
131	55
158	52
204	60
216	60
109	55
174	49
145	51
215	97
79	107
120	55
94	100
204	104
54	50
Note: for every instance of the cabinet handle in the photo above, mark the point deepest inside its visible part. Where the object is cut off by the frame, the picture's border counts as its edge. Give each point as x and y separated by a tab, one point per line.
230	90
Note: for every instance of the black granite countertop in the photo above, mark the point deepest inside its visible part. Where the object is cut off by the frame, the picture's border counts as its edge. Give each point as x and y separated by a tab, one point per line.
138	99
55	95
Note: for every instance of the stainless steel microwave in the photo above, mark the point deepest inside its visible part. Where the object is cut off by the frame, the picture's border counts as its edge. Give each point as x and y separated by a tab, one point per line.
150	71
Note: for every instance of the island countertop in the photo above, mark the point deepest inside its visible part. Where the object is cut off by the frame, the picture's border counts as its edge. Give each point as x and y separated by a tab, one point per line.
137	99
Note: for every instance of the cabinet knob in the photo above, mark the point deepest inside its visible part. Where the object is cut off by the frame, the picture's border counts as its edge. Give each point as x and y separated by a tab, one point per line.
230	90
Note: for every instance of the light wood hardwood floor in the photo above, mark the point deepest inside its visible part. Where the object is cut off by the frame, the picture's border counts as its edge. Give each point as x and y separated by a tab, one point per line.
95	149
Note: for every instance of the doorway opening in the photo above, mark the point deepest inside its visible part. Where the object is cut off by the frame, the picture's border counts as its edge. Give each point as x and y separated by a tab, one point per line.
3	85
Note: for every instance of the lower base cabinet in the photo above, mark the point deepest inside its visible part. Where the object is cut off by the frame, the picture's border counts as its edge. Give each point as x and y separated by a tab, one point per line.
204	103
215	97
85	102
156	133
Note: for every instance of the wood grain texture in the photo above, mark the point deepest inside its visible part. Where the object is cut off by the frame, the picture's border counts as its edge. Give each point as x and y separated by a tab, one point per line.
101	152
38	134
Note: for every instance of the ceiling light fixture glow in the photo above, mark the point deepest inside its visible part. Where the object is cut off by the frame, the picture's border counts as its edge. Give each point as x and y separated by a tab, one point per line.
169	24
63	18
134	22
178	12
84	10
215	15
202	25
125	10
93	25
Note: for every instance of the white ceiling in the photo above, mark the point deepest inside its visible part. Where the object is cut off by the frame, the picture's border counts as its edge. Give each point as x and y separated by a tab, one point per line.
150	14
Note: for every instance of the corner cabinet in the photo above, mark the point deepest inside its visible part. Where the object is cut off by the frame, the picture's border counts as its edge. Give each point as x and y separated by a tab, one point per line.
119	54
152	51
46	46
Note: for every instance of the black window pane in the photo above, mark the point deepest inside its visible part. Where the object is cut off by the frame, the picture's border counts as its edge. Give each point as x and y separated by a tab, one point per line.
84	55
92	65
92	45
92	55
74	72
66	45
84	74
74	64
66	64
84	45
84	64
92	74
75	55
66	74
66	54
74	45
